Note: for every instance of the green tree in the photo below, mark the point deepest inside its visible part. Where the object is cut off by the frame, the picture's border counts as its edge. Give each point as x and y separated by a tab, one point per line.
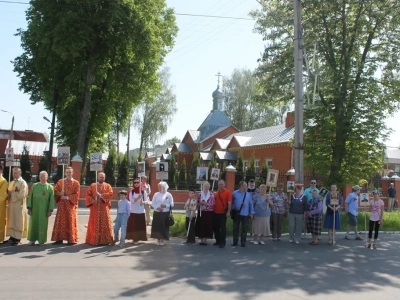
152	118
172	141
251	168
239	104
355	71
172	172
239	169
25	164
182	183
80	60
109	168
263	173
193	171
123	174
44	163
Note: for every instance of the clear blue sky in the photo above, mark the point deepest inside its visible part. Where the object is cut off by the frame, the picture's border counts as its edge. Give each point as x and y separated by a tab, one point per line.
204	47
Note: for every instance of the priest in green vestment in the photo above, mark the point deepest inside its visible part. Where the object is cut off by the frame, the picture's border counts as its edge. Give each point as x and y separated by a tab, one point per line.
40	207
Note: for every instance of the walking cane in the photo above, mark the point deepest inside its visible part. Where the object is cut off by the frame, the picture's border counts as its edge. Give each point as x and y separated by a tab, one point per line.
334	226
190	222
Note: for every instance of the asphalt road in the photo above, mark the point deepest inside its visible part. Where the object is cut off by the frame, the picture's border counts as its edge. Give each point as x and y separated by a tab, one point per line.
277	270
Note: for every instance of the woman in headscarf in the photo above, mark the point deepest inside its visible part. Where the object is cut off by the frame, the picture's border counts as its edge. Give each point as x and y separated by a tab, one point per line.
204	226
261	217
136	227
279	208
314	217
161	203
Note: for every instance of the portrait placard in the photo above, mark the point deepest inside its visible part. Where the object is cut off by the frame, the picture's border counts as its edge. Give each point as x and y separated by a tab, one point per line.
335	198
162	170
290	186
63	156
96	162
9	157
201	174
364	199
322	192
141	169
272	178
214	174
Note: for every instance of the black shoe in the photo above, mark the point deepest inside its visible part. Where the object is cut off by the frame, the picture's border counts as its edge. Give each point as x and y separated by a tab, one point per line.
234	244
14	243
222	246
71	244
243	245
216	244
58	243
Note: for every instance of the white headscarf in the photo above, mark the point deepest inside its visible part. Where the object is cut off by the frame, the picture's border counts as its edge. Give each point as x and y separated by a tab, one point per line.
205	196
164	185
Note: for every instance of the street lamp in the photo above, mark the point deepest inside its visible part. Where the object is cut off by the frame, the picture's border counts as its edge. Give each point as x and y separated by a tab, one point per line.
50	155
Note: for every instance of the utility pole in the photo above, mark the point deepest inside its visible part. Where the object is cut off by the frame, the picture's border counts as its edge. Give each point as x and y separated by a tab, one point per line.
299	103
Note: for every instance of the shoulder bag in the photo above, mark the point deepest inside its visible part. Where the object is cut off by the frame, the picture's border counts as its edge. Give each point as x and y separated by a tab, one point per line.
170	220
235	213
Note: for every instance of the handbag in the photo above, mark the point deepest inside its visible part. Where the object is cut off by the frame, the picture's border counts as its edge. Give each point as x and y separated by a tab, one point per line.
170	220
235	213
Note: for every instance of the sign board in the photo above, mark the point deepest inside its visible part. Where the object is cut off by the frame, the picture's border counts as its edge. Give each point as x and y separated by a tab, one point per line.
272	178
215	174
96	162
335	198
9	157
63	156
322	193
141	169
201	174
290	186
162	170
364	199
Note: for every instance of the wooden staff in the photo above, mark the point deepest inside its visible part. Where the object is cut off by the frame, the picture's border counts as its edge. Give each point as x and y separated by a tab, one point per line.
63	176
334	221
213	185
190	222
96	189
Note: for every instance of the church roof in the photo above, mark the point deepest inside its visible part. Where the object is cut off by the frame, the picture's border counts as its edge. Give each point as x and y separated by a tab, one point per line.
206	155
264	136
226	155
183	147
215	121
194	134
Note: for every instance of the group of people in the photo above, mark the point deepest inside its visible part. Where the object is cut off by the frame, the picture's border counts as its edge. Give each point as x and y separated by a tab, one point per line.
206	213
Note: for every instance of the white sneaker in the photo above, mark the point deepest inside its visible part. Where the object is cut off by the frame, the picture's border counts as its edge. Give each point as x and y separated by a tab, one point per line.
136	243
158	243
31	243
297	242
290	241
162	243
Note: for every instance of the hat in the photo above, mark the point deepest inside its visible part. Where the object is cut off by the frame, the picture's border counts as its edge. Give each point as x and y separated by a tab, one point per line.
123	192
356	188
375	192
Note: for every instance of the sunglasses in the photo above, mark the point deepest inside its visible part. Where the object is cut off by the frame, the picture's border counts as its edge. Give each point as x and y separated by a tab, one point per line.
136	182
313	182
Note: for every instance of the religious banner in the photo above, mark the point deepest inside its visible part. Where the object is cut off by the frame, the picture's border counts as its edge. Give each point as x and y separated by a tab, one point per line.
272	177
364	199
141	169
334	198
9	157
290	187
63	156
162	170
201	175
214	174
96	162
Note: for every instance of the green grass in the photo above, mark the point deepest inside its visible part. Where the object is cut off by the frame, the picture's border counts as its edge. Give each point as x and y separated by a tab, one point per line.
392	223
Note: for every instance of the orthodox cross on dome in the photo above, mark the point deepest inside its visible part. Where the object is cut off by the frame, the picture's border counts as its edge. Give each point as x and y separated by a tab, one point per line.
218	75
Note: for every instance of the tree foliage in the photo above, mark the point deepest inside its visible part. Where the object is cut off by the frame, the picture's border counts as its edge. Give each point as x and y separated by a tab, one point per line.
25	164
193	171
123	172
251	168
172	141
355	65
87	60
240	107
156	113
44	163
109	168
239	168
172	172
182	184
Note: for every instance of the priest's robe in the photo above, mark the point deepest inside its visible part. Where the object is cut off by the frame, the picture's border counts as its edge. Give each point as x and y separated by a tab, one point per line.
99	231
40	201
3	199
17	225
66	223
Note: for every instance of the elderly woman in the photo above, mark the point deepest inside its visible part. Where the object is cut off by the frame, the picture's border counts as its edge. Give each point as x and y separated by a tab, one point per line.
136	226
332	197
261	216
162	203
279	208
204	225
297	210
314	217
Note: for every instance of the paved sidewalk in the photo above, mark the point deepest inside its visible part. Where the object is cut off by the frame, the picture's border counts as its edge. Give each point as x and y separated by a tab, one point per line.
277	270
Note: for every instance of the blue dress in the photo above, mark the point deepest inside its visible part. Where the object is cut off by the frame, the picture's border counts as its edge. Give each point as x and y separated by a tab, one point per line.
328	224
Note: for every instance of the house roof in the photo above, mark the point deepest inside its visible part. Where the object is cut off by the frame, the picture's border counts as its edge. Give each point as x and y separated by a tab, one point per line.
166	156
183	147
226	155
194	134
264	136
215	120
393	155
206	156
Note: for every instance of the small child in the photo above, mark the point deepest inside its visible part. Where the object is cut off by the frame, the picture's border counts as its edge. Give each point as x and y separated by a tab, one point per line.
124	210
190	207
375	218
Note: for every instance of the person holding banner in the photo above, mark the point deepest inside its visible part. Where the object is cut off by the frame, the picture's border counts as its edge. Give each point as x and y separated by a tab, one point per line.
17	225
333	202
204	221
136	228
3	205
146	190
98	200
67	196
40	207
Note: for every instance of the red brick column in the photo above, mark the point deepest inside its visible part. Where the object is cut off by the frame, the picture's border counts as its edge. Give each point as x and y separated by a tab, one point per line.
76	164
385	186
230	177
347	190
153	181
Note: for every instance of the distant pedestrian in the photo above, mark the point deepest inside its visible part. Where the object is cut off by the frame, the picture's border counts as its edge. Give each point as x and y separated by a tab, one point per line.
375	218
352	212
392	197
123	212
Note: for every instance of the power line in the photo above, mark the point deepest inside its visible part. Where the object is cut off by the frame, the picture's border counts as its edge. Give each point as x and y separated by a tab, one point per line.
175	13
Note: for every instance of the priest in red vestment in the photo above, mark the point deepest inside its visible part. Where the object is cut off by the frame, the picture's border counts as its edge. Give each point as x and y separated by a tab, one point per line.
67	196
98	199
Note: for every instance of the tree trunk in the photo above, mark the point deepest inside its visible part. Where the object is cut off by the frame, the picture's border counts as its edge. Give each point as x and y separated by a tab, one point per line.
87	101
128	141
118	141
